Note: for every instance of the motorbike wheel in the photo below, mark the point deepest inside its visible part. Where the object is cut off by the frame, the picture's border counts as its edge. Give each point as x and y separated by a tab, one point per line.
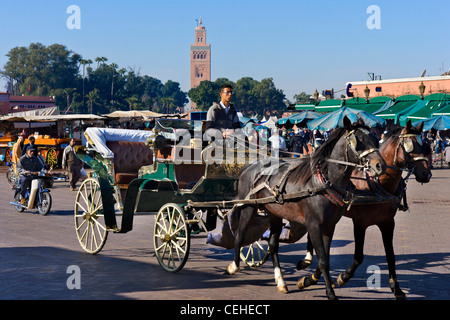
46	203
10	177
17	198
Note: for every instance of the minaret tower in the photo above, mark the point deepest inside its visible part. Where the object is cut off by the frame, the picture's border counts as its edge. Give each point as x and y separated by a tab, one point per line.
200	57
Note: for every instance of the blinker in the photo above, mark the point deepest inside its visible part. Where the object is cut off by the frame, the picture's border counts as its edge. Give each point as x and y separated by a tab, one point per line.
408	145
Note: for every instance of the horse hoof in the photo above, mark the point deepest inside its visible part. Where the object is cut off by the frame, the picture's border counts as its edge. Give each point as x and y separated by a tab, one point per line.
341	281
232	269
301	283
283	289
303	264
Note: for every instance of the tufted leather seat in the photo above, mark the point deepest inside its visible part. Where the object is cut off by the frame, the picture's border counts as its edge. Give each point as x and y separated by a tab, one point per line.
129	157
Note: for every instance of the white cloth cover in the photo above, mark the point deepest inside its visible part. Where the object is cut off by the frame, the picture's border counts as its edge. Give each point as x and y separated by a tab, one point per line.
99	136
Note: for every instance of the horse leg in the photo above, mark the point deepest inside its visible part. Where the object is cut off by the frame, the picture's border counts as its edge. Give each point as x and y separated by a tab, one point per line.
387	232
311	280
321	243
274	244
358	256
244	215
307	261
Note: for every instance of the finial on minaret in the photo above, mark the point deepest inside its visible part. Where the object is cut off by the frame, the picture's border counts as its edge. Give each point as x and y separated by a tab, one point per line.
200	22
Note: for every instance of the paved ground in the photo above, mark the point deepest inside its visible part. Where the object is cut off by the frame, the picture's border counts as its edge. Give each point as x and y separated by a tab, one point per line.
36	252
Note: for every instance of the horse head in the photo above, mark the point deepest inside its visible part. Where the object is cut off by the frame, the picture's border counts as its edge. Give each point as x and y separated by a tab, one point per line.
363	148
410	153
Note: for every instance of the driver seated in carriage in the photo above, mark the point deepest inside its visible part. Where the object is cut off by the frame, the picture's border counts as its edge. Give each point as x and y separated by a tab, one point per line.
222	120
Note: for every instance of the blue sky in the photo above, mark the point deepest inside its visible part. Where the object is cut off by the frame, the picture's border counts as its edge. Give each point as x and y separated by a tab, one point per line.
302	45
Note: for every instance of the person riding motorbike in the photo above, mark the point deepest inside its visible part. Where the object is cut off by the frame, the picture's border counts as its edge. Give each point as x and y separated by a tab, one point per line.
28	163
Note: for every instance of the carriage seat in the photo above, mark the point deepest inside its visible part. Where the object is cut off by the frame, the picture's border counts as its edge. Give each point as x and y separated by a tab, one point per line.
129	157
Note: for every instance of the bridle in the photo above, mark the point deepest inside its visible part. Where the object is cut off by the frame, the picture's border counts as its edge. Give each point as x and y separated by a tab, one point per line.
407	146
352	142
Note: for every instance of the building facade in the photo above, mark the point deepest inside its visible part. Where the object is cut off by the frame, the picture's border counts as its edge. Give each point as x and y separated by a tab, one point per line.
398	87
200	58
11	104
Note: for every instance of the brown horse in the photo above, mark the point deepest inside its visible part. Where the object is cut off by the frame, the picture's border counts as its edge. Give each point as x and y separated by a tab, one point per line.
320	210
402	150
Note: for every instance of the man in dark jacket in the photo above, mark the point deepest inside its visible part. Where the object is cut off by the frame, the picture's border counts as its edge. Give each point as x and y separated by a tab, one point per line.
28	163
298	142
32	140
72	163
222	119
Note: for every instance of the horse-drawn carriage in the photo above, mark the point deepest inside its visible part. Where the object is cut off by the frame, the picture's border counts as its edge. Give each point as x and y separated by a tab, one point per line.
140	171
312	192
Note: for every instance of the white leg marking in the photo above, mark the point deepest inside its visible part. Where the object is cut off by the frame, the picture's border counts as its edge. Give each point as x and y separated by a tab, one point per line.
232	268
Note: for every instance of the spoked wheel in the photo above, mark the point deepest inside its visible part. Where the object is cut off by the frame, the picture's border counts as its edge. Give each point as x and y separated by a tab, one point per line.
46	203
10	177
51	158
255	254
171	237
17	199
89	219
8	156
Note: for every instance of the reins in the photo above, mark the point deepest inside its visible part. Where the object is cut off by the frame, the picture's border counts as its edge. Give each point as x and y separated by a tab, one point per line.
332	192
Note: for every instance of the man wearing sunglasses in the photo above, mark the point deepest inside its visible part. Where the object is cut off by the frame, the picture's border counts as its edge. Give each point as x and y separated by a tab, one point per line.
28	163
222	119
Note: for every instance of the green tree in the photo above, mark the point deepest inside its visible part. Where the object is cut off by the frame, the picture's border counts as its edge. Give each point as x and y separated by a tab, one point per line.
93	97
302	97
133	102
270	100
204	94
173	94
40	70
245	97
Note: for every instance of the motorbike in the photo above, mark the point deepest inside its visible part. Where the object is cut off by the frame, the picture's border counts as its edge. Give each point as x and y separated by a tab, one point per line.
37	196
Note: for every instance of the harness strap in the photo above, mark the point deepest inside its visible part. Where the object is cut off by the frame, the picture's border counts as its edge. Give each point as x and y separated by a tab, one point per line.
265	200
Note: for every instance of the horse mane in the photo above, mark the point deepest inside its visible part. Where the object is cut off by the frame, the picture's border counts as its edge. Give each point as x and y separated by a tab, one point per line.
307	168
393	134
324	151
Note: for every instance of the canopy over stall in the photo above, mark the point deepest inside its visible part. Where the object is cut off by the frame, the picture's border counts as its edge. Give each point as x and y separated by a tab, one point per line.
438	122
299	119
144	115
336	119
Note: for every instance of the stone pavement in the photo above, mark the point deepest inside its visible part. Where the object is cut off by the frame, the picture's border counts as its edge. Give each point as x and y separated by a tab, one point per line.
36	252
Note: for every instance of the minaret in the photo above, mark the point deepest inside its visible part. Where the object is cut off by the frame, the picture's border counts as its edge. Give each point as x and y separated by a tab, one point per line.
200	58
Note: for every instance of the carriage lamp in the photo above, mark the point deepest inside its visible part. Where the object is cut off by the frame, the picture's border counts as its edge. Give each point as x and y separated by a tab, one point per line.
367	92
421	89
316	95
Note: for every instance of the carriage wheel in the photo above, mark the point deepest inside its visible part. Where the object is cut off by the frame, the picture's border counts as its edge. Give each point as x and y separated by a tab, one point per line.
89	219
8	156
255	254
51	158
171	237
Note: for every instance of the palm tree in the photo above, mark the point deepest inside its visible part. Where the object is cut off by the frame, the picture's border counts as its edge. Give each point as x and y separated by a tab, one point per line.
83	62
168	103
132	101
92	96
88	62
100	59
113	66
68	92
